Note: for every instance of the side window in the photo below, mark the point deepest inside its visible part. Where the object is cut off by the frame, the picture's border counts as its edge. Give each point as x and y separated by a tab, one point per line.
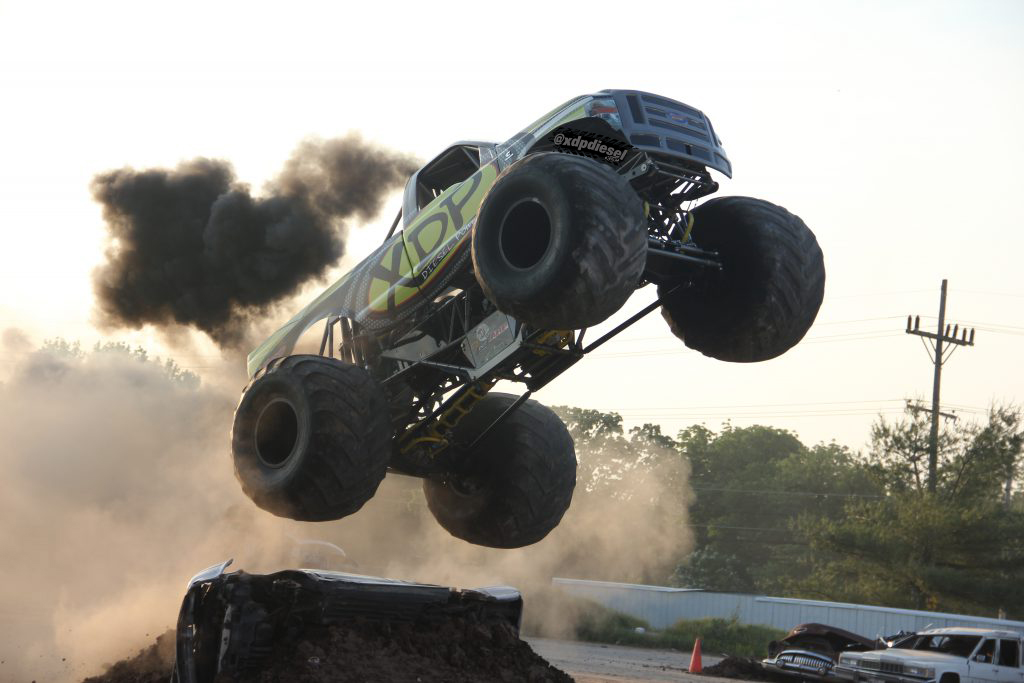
453	165
987	651
1009	653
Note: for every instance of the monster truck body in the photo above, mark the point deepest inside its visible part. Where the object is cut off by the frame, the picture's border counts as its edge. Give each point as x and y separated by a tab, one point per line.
416	264
507	253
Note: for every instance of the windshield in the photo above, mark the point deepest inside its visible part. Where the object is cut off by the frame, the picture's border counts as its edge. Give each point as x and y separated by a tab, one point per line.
958	646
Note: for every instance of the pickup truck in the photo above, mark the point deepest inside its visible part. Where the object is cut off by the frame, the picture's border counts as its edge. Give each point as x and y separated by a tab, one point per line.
942	655
506	255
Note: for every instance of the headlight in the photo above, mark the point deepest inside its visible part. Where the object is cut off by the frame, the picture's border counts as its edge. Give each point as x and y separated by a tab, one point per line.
920	671
847	660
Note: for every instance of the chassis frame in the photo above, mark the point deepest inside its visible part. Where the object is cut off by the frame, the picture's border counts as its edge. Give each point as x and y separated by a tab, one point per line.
447	381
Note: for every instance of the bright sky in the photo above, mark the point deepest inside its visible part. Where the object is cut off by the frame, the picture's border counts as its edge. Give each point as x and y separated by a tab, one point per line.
892	128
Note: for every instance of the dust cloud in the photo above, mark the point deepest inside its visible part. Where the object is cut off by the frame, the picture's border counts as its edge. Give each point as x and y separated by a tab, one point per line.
118	487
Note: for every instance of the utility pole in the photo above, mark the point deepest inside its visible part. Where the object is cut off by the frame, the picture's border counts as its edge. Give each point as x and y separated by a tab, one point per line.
939	337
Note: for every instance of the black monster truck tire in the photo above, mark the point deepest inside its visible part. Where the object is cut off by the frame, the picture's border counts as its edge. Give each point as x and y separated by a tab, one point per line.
312	438
515	486
768	292
560	241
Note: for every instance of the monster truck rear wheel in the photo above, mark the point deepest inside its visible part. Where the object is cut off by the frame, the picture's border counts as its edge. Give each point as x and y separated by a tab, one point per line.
516	484
311	439
560	241
768	292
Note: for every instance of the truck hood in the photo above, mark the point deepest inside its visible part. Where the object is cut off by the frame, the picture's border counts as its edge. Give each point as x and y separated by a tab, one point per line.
840	639
922	657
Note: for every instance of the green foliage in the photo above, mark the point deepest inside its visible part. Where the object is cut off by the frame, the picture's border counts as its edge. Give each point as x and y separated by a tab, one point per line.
62	348
959	549
974	460
772	515
712	570
608	456
725	636
54	355
602	625
751	486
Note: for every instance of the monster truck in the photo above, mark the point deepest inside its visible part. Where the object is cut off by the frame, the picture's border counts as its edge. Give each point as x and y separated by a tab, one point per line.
507	254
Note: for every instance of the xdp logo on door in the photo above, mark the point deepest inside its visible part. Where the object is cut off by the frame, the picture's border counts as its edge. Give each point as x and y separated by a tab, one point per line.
428	244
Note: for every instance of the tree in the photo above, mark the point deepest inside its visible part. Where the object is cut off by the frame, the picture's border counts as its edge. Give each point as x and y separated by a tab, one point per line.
954	550
631	494
974	460
751	486
607	457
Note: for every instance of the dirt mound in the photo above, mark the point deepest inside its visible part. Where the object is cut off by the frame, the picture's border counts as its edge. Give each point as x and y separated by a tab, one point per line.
151	665
459	650
743	668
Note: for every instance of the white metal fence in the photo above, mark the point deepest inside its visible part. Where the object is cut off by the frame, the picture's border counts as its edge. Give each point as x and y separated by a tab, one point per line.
661	607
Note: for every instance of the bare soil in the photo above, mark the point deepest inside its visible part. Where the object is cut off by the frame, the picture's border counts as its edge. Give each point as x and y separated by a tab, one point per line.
151	665
743	668
460	650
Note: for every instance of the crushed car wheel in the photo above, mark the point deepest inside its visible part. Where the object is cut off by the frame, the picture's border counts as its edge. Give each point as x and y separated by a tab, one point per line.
311	438
768	292
516	485
560	241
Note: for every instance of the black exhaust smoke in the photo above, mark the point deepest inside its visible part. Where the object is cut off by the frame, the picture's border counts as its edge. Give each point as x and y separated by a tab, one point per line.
192	246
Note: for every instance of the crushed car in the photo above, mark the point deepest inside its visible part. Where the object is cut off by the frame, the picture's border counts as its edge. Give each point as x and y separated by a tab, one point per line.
942	655
811	650
501	258
230	622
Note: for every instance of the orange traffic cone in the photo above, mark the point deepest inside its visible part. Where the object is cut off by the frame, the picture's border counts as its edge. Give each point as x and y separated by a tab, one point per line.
695	665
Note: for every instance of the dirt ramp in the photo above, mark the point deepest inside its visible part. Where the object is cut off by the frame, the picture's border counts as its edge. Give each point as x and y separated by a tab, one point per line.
151	665
460	650
308	626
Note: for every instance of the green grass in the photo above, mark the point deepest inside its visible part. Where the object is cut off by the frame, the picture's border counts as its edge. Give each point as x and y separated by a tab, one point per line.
718	636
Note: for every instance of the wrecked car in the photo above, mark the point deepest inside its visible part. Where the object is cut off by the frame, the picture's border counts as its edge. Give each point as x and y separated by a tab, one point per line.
943	655
230	622
499	261
811	650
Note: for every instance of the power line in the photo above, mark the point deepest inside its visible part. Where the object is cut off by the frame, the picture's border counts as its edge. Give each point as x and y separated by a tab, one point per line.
769	405
863	294
824	339
737	528
976	291
789	493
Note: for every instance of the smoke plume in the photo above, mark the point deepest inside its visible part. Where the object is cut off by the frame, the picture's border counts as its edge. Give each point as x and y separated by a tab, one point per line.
118	487
192	246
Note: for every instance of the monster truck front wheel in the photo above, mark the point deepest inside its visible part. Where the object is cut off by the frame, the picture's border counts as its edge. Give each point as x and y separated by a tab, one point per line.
514	487
768	292
560	241
311	438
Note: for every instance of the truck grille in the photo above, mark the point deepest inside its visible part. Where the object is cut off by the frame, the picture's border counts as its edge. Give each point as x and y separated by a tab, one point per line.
883	666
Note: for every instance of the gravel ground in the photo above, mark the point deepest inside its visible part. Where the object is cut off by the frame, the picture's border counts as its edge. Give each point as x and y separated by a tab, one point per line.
597	663
479	654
